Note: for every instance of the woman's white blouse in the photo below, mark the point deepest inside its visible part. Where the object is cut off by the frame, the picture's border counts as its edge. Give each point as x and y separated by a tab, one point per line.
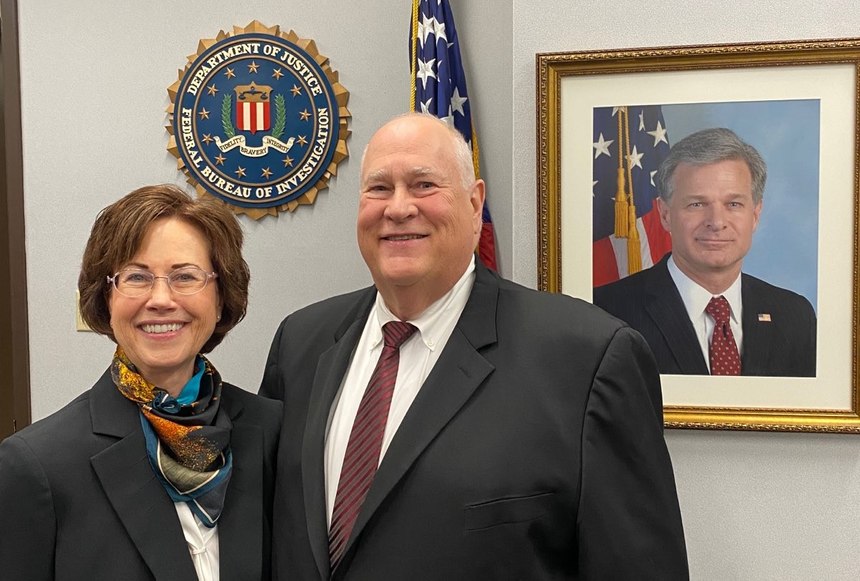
202	543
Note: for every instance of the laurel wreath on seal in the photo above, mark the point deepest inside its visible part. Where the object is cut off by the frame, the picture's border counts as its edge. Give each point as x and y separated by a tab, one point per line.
227	117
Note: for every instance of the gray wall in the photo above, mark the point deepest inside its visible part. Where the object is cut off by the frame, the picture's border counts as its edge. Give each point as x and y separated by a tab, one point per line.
94	78
94	92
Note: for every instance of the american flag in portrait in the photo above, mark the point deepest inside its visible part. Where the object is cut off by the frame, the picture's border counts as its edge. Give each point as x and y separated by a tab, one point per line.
629	144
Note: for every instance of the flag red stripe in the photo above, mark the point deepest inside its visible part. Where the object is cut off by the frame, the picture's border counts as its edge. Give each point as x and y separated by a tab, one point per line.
658	238
487	246
604	268
607	257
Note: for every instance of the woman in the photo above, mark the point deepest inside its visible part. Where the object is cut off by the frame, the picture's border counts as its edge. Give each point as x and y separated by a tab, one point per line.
160	470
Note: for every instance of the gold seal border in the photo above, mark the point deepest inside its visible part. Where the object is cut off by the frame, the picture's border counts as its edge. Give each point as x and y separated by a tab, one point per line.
341	96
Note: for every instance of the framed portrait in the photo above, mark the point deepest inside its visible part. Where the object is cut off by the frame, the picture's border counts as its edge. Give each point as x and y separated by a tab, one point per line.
607	120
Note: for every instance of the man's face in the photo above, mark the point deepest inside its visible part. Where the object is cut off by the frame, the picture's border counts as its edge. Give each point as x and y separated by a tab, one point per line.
711	218
417	223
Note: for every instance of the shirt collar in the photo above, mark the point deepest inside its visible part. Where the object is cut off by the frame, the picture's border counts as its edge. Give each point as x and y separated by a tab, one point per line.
431	322
696	297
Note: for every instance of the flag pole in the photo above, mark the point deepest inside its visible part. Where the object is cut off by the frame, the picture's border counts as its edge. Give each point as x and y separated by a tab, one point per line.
621	188
634	254
413	65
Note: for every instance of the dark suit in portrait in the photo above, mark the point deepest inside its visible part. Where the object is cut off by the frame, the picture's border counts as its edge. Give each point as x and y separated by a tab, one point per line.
534	449
779	326
79	499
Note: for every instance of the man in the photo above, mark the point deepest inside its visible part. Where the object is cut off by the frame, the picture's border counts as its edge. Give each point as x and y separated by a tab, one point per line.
711	186
524	438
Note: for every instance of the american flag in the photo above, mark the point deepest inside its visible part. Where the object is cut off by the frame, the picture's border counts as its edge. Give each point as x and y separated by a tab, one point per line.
620	250
439	88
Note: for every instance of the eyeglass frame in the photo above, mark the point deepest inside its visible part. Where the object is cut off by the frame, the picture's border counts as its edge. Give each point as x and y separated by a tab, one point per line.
111	280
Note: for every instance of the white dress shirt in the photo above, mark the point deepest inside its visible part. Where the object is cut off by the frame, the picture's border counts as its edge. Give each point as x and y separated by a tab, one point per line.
418	355
202	544
696	299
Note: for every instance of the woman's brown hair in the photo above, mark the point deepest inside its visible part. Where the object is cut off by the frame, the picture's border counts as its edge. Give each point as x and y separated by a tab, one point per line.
119	230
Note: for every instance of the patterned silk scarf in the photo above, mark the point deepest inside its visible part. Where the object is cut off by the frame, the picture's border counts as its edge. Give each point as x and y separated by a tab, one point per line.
188	445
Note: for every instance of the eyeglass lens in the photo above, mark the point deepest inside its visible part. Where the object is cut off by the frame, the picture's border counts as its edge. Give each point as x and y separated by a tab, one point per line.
136	282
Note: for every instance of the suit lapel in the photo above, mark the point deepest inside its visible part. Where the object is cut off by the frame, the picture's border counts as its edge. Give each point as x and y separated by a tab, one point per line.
331	369
240	528
135	493
458	372
758	339
666	309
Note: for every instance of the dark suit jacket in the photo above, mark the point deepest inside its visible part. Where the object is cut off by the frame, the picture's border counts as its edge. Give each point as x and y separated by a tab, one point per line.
79	500
650	302
534	449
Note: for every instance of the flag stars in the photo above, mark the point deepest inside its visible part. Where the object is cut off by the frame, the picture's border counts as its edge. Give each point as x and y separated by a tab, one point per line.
229	73
439	31
635	158
277	73
601	146
659	134
212	90
296	91
240	172
305	115
302	140
220	159
204	114
425	71
428	26
642	120
266	173
288	161
457	101
653	173
425	27
425	105
253	66
449	118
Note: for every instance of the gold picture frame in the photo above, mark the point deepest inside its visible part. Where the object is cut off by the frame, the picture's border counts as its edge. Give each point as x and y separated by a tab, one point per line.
571	84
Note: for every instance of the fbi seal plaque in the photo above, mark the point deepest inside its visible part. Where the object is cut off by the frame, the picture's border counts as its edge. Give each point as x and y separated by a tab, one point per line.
258	119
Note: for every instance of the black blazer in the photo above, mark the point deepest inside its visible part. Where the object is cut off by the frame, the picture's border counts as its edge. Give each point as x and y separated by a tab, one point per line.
649	301
534	449
79	500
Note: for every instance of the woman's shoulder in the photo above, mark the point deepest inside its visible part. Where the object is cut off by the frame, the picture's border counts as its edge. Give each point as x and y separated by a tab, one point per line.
66	420
53	441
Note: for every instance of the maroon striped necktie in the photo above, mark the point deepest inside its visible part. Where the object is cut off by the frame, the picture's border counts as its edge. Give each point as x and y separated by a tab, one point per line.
723	352
365	440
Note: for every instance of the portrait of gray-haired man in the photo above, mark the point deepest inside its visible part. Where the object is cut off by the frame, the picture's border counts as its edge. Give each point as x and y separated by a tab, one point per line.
700	313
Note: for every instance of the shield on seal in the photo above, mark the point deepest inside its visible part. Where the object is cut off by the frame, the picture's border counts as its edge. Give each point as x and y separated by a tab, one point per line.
253	107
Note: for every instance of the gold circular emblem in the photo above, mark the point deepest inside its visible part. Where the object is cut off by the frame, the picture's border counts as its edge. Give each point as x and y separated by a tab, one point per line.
258	120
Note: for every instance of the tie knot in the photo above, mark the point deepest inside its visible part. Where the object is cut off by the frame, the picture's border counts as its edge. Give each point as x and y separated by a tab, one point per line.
718	308
395	333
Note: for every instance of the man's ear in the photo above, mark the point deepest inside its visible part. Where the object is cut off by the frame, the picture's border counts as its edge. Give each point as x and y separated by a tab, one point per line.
757	214
476	198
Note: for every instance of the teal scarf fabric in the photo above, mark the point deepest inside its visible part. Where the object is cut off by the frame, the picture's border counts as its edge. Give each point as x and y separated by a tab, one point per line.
188	444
